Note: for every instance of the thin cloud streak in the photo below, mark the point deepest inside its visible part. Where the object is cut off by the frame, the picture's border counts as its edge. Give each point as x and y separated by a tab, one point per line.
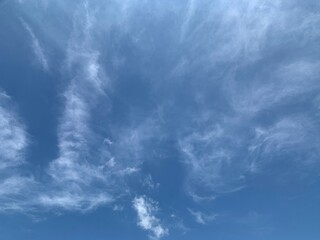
36	47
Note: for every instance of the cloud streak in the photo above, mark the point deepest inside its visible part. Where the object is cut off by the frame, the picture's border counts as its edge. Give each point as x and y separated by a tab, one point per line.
36	47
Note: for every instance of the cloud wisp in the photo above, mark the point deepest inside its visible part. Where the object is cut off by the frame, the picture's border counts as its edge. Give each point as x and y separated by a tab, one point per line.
75	167
146	210
201	217
13	135
15	186
37	49
89	171
223	145
92	166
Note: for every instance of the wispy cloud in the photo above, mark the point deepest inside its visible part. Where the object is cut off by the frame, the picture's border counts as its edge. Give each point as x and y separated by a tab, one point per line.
190	9
282	84
17	192
149	183
36	47
89	162
222	145
221	149
13	136
76	171
73	198
89	171
131	141
202	218
15	186
290	135
227	55
210	156
146	210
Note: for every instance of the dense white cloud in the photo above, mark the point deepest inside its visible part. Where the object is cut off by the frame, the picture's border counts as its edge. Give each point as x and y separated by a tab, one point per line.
146	210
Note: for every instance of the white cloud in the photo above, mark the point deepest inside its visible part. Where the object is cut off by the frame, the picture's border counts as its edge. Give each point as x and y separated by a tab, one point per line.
294	135
198	199
149	183
146	210
220	150
213	146
71	199
217	147
76	171
17	192
13	136
37	48
190	10
14	186
226	32
283	83
88	171
210	155
201	217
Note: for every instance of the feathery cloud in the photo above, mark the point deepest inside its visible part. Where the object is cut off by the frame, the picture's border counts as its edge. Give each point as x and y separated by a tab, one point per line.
224	54
14	186
76	171
13	136
222	145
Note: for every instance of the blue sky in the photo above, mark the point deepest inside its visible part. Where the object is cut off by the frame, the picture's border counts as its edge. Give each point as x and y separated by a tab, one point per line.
171	119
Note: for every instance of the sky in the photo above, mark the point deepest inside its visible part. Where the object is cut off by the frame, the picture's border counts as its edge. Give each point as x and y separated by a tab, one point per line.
159	119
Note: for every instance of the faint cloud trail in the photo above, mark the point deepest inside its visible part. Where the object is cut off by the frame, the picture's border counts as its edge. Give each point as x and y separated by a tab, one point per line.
36	47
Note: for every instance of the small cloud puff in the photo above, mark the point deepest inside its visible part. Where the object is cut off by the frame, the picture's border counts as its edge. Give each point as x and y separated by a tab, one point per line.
146	210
